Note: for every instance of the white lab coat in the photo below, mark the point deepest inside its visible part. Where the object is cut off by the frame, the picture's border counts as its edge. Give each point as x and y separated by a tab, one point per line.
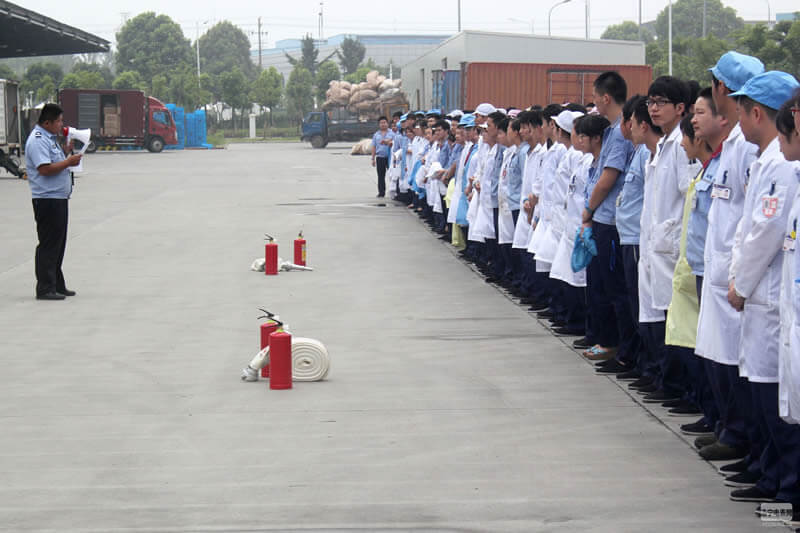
543	189
757	273
719	325
665	188
789	350
522	232
505	221
559	187
476	170
455	198
484	221
574	204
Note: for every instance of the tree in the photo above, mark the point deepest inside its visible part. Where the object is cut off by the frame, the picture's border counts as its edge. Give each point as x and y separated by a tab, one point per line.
42	79
326	72
151	45
225	46
627	31
266	91
6	73
83	80
234	90
778	48
300	91
308	55
687	20
129	79
351	53
103	70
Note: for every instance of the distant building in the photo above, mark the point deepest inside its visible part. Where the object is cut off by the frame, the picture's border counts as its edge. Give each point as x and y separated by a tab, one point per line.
780	17
382	49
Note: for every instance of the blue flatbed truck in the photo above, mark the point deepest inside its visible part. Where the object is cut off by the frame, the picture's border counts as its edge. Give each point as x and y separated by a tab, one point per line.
322	127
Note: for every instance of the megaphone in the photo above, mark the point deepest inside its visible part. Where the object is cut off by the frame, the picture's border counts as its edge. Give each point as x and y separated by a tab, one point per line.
84	136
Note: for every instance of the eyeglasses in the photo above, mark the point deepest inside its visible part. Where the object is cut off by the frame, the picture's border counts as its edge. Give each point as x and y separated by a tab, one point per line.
795	111
657	102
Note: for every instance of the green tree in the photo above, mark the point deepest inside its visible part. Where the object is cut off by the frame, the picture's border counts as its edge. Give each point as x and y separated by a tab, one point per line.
326	72
687	20
151	45
103	70
129	79
627	31
185	91
300	91
351	53
308	55
83	80
778	48
234	87
266	91
42	79
7	73
224	46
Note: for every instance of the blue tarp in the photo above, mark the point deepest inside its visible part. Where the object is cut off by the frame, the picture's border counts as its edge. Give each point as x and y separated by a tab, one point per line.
191	128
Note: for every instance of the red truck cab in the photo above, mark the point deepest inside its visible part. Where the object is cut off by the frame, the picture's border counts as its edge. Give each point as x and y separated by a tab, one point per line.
160	124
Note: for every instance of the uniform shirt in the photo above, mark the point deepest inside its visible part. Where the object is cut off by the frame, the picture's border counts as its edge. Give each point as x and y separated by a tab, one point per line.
631	198
42	148
495	175
382	150
615	154
444	154
698	218
514	179
454	156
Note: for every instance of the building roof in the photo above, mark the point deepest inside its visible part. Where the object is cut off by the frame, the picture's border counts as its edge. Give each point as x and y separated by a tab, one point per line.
366	39
25	33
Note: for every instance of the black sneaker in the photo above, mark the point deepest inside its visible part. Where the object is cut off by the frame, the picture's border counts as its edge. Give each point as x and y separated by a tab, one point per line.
545	314
698	429
658	396
613	367
703	441
568	332
722	452
582	344
641	382
630	375
687	409
649	389
752	494
742	479
734	468
672	403
538	308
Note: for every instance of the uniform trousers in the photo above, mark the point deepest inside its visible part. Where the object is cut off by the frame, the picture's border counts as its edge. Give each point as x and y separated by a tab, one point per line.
381	164
51	216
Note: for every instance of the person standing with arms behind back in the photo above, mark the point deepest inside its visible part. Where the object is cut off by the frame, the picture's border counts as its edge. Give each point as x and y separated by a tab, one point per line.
51	186
381	144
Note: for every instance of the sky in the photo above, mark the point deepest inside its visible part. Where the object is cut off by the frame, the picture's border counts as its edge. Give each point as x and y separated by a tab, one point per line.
287	20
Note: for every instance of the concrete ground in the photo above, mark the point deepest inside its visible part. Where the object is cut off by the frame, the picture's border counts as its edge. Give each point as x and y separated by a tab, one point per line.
448	407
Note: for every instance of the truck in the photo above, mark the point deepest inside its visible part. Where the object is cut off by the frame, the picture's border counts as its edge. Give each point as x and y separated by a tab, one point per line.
10	128
338	124
119	118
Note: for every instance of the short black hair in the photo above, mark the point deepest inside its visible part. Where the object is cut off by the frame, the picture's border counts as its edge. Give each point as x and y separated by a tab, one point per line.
496	117
612	84
382	117
515	124
630	105
552	110
503	123
532	117
49	113
397	114
443	124
591	125
672	89
748	103
687	128
784	120
642	114
706	95
575	107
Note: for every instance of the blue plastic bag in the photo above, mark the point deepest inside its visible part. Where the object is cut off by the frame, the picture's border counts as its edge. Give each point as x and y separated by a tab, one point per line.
584	250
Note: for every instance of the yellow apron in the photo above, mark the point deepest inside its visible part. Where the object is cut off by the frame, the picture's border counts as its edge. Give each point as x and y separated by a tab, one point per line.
684	308
458	237
451	186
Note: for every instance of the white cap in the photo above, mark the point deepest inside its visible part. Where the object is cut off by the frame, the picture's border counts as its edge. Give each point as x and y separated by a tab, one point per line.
513	113
456	113
566	118
502	110
485	109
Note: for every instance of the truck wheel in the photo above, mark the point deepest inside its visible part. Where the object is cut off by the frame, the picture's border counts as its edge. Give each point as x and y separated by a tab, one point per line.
156	144
318	142
92	148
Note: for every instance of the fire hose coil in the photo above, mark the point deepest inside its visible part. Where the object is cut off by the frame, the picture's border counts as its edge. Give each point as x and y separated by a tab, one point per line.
310	361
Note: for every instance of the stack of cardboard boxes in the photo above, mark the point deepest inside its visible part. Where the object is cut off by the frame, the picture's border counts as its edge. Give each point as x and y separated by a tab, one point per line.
111	120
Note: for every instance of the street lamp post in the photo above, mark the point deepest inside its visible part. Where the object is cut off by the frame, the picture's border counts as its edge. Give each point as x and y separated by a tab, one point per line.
525	22
550	14
669	29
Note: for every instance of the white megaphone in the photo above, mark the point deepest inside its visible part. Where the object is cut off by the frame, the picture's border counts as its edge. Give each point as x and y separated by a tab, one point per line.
84	136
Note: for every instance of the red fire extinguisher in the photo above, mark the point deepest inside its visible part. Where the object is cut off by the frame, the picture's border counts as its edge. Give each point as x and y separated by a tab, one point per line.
300	250
266	329
271	257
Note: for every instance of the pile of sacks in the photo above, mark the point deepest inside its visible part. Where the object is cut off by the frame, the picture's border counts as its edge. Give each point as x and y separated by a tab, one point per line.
366	98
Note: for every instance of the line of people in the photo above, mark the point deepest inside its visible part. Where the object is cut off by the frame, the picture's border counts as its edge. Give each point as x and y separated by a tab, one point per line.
685	204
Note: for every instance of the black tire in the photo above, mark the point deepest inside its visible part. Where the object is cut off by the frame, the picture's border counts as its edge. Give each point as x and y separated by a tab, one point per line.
155	144
92	148
317	141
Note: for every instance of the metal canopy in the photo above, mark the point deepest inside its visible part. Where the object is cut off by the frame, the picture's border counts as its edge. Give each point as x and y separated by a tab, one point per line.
25	33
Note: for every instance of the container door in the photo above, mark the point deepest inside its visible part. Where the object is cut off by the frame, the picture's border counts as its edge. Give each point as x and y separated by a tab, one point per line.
3	123
12	110
89	111
132	114
437	88
452	91
573	87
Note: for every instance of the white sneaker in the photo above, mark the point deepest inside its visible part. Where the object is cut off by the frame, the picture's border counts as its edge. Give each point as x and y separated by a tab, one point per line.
249	374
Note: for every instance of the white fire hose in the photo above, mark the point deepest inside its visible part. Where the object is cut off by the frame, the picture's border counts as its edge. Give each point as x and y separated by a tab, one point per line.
310	361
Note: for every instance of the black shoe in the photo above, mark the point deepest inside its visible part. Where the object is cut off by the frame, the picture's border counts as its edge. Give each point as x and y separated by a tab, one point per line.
742	479
648	389
50	296
734	468
630	375
672	403
705	440
613	367
537	308
582	344
643	381
752	494
66	292
532	302
722	452
658	396
698	429
491	279
545	314
557	324
685	409
568	332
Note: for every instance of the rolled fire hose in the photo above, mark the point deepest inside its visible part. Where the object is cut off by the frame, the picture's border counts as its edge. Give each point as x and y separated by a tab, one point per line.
310	361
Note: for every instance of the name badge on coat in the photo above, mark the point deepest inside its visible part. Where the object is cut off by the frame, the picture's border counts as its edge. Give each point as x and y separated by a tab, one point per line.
769	206
721	191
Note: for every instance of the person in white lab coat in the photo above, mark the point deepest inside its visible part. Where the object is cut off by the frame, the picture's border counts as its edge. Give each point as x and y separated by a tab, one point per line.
475	243
755	282
718	324
789	370
665	187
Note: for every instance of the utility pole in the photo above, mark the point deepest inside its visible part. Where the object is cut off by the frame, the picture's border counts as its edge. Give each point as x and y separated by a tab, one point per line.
459	16
197	48
640	19
320	23
704	19
669	29
259	43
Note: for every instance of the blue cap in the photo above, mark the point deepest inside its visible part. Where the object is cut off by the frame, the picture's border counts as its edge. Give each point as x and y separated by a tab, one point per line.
434	112
419	113
468	120
734	69
770	89
404	117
